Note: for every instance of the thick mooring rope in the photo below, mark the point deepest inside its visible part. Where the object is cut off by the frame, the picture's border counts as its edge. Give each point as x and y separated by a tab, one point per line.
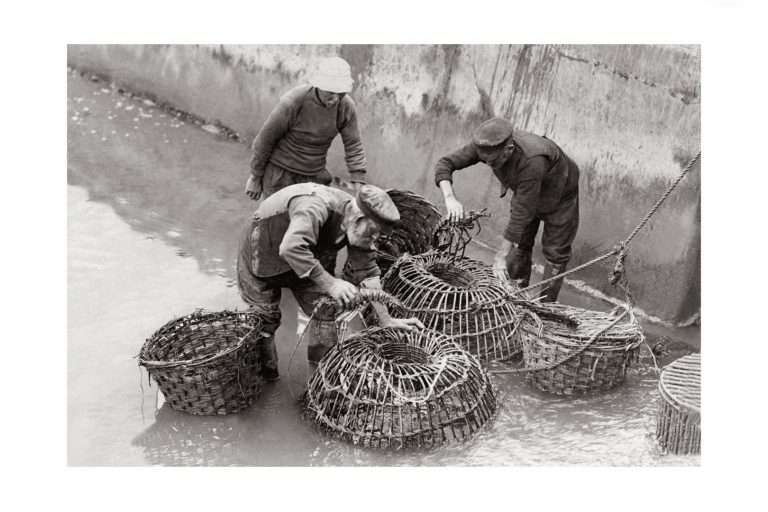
620	249
618	277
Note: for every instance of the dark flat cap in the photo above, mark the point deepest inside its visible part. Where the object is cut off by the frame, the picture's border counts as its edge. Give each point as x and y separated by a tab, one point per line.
492	132
378	206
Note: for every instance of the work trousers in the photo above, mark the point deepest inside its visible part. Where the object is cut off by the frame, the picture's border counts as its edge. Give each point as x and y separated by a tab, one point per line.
560	227
276	178
264	293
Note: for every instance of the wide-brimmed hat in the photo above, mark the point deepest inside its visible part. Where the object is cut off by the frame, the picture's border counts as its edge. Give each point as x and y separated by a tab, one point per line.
333	74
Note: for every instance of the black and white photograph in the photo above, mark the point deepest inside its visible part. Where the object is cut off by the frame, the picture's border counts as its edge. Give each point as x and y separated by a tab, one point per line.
394	256
381	254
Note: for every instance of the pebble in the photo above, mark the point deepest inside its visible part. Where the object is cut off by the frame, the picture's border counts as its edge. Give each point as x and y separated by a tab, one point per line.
210	128
150	103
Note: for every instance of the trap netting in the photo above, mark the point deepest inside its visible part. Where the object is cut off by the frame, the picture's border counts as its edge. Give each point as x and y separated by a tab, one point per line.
678	427
392	387
461	298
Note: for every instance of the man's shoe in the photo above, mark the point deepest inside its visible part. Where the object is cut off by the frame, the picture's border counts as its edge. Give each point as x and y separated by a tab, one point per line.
270	374
553	289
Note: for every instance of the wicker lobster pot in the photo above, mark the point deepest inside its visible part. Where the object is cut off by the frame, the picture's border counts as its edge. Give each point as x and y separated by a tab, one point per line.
206	362
413	234
459	297
678	427
582	359
392	388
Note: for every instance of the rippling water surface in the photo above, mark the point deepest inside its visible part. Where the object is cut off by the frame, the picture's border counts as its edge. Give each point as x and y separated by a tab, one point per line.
154	207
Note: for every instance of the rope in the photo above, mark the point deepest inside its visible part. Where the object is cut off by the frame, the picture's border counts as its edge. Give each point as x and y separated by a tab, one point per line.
618	277
621	248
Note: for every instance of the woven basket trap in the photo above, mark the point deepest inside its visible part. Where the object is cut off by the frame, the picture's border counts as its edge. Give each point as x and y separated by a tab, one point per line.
413	234
392	388
678	427
206	362
459	297
571	360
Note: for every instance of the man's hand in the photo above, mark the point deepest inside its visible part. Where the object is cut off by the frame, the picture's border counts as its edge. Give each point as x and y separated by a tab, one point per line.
454	208
410	324
500	268
500	262
344	293
253	188
356	186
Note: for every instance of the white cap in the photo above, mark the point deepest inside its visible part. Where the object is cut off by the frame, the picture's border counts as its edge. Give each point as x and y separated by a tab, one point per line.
333	74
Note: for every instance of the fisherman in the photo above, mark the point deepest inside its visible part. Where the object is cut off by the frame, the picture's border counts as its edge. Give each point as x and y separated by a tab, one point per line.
291	242
545	183
293	143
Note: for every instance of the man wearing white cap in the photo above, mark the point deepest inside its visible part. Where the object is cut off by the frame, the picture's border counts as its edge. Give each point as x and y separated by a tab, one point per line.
293	144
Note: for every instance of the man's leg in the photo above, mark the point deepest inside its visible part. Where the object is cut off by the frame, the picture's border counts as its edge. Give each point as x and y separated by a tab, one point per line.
263	297
519	261
322	330
560	229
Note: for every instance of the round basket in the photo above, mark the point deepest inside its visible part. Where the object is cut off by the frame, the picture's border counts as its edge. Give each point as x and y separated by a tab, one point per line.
206	362
459	297
393	388
582	359
413	234
678	428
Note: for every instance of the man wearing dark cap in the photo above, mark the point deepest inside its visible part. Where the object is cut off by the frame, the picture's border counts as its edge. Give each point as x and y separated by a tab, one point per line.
292	241
545	183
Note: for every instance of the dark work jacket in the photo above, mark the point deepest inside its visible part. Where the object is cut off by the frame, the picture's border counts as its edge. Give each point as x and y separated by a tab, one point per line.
297	226
539	173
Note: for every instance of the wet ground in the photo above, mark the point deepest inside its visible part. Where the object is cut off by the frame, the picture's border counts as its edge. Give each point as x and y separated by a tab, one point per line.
155	203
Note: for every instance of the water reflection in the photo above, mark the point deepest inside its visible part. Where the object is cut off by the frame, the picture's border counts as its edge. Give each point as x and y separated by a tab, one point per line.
187	193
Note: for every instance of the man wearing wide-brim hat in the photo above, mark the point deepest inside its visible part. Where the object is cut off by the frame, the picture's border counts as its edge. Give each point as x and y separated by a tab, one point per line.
293	143
291	242
545	183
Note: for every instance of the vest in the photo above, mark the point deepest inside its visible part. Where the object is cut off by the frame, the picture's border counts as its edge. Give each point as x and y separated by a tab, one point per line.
271	221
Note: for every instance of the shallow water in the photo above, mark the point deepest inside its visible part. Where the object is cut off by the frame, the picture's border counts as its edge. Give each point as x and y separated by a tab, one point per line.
154	208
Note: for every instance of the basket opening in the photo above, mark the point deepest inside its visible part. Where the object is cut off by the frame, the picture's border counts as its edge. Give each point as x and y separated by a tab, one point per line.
452	275
399	352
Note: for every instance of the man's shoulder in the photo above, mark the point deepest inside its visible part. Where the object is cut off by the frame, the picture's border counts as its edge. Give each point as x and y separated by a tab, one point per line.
295	96
531	145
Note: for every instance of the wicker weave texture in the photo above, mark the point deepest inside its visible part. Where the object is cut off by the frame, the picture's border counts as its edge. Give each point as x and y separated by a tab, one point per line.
206	362
571	360
413	234
459	297
678	427
393	388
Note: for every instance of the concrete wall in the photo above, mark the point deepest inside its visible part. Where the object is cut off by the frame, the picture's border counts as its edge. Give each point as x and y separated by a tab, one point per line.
628	115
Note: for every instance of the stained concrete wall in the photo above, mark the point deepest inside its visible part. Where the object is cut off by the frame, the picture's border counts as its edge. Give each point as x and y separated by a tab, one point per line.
628	115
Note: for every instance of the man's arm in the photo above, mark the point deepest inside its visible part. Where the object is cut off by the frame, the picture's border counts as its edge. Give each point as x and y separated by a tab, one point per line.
274	128
385	318
459	159
354	153
307	217
444	170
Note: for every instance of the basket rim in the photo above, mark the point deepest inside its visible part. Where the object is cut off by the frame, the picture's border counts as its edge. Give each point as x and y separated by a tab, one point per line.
199	360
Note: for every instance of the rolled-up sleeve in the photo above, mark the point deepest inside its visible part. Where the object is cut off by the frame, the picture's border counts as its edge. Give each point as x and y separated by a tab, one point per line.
526	200
354	153
460	159
306	219
273	130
